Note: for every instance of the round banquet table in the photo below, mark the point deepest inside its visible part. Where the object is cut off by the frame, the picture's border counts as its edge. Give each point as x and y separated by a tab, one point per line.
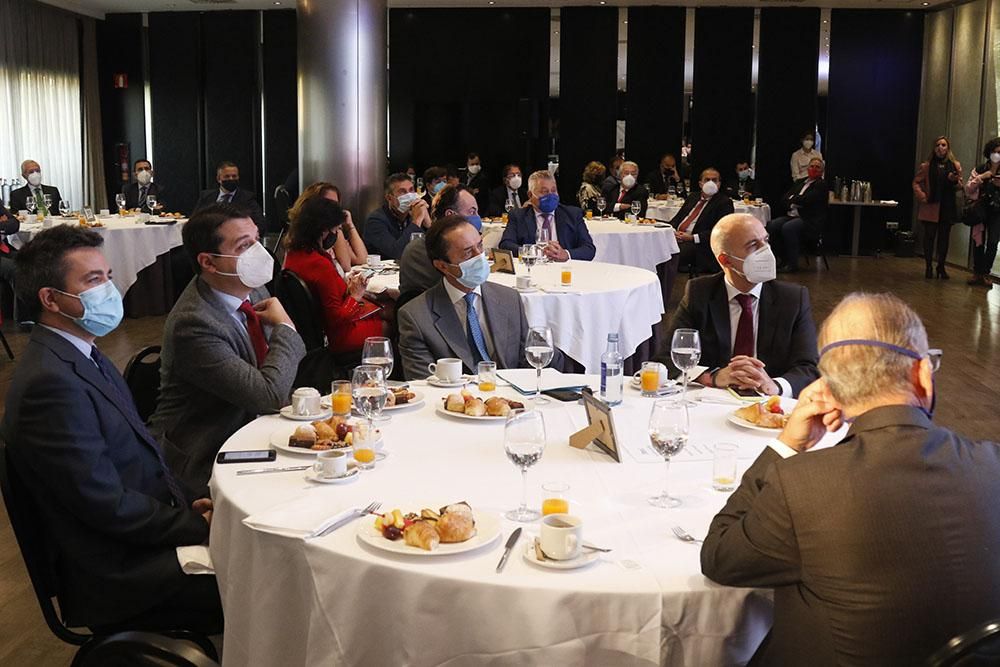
665	209
604	298
335	600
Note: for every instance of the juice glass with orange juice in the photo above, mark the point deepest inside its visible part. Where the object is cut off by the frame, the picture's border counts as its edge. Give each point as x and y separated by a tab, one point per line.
341	398
590	214
566	277
554	500
487	375
649	377
364	445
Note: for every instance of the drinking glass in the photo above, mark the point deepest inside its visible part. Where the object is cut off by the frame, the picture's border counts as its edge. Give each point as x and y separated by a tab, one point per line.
529	255
370	393
524	442
636	207
120	200
668	433
508	206
538	349
671	192
47	199
364	446
416	236
554	500
601	204
486	375
341	397
685	352
377	351
544	236
30	205
420	186
151	203
64	207
724	466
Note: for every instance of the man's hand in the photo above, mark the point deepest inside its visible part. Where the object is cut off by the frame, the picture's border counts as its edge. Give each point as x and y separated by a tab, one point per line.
556	252
271	312
814	415
684	236
204	507
747	373
420	213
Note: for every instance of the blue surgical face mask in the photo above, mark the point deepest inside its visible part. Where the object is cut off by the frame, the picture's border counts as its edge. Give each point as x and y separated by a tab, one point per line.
102	309
438	187
906	352
548	203
475	221
475	271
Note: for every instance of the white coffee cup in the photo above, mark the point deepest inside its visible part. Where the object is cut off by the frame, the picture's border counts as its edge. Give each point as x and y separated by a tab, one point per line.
664	375
374	261
446	370
305	401
523	282
330	464
561	535
105	213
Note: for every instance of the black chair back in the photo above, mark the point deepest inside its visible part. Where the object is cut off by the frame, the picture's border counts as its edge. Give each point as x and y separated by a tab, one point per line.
977	647
142	375
31	539
128	649
300	305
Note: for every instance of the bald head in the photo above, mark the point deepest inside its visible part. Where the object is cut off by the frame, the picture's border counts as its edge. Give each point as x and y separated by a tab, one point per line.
735	234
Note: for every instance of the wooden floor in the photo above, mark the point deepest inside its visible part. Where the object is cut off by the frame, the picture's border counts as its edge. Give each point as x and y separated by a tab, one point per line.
963	321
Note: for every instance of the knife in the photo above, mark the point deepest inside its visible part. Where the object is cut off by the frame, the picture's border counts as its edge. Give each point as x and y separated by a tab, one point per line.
258	471
511	541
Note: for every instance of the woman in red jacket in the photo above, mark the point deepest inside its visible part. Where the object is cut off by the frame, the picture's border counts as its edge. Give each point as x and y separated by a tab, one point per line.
348	318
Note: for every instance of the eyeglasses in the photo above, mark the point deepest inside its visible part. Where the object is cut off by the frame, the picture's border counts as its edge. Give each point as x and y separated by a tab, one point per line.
935	354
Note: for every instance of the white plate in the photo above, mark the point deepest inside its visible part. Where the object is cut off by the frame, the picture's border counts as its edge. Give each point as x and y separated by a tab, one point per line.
352	472
739	421
279	440
462	415
636	383
460	382
585	558
416	400
526	290
487	531
287	413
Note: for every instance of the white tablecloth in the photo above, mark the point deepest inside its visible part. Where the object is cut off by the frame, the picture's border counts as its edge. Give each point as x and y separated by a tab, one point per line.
642	246
129	247
604	298
333	601
665	210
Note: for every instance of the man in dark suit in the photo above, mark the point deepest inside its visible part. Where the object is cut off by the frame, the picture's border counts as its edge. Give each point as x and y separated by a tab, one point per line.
569	234
476	181
884	547
621	196
435	178
614	179
743	184
807	203
110	510
31	171
756	333
511	190
463	315
227	175
388	228
230	352
666	177
694	222
136	193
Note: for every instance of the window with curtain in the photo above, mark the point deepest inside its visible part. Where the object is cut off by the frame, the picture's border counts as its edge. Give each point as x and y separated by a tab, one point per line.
40	95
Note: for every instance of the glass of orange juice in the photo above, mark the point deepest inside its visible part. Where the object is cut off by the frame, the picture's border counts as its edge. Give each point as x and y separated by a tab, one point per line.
590	214
341	398
649	376
567	277
487	375
554	500
364	445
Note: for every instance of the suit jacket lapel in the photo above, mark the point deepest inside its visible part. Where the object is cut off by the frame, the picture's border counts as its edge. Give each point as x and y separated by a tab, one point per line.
765	333
718	306
447	324
228	321
500	328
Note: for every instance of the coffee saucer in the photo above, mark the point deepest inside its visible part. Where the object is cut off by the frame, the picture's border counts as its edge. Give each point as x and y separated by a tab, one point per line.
583	559
352	471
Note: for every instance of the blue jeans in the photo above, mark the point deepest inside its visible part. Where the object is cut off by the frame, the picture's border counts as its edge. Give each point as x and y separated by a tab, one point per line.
786	237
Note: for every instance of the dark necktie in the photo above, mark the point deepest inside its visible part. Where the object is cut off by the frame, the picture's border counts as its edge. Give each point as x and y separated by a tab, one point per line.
744	329
109	372
142	196
256	331
476	339
693	215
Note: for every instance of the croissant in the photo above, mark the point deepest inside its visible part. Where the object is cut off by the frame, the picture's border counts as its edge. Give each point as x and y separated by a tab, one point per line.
475	408
497	407
456	526
454	403
324	431
421	534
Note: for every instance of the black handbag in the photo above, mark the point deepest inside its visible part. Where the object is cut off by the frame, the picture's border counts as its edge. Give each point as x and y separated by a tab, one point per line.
973	212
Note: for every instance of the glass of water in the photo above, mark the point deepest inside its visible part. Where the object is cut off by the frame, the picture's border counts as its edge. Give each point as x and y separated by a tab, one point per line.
668	433
538	350
685	352
120	200
524	442
370	392
636	207
151	203
529	255
64	207
601	204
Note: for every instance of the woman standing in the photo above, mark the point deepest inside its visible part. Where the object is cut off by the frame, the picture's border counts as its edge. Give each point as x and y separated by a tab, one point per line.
984	187
934	187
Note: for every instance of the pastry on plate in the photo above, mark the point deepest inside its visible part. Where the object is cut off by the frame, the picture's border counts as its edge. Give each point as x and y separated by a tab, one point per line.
497	407
456	524
767	414
454	403
475	407
422	534
304	437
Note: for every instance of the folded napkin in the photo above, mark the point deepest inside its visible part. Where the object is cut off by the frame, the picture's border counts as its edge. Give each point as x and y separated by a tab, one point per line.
300	517
195	559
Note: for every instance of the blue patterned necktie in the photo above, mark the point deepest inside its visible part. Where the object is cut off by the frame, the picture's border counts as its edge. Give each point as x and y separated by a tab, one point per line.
476	340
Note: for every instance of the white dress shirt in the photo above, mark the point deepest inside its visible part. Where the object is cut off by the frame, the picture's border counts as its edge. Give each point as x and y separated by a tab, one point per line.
735	310
457	297
540	220
73	340
800	162
513	196
697	237
783	450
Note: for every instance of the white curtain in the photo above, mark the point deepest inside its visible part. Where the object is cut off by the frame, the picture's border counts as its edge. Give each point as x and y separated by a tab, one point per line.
40	95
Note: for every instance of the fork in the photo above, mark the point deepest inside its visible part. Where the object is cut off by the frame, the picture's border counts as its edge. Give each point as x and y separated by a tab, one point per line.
685	536
372	508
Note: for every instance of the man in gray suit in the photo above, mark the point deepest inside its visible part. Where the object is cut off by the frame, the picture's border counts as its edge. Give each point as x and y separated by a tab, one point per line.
462	316
881	548
230	352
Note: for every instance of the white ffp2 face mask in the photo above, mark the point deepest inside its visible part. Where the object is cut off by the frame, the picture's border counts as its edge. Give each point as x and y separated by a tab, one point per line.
995	158
710	188
628	180
514	182
807	144
475	169
254	268
35	178
759	266
144	176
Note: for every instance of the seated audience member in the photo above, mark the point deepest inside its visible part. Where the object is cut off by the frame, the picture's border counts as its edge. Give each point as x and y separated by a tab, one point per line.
743	184
756	332
614	178
694	222
9	224
463	315
387	229
452	175
348	246
590	187
570	238
807	202
803	156
31	171
512	190
109	508
883	548
477	181
435	178
143	186
666	177
227	175
230	351
347	316
411	171
416	272
620	197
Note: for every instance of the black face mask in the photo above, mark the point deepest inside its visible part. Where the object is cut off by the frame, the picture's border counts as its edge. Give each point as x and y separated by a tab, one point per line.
231	184
330	239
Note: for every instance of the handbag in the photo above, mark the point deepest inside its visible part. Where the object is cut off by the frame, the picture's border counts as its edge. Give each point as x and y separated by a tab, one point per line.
973	212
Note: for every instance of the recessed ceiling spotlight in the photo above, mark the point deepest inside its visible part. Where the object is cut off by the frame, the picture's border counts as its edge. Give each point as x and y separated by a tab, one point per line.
603	2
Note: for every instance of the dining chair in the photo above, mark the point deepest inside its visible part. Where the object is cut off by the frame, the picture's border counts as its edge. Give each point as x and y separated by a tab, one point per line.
142	375
977	647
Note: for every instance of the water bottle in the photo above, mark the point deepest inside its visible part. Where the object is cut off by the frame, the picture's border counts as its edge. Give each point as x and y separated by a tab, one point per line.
611	372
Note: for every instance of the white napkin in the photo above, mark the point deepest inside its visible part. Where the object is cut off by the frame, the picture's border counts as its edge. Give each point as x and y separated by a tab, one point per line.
300	517
195	559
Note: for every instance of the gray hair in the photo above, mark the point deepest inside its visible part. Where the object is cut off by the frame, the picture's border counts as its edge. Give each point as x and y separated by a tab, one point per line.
540	175
24	165
629	163
861	374
724	229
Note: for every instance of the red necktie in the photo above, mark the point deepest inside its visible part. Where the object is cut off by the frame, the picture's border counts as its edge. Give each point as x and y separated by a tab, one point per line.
256	332
622	195
744	329
693	215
